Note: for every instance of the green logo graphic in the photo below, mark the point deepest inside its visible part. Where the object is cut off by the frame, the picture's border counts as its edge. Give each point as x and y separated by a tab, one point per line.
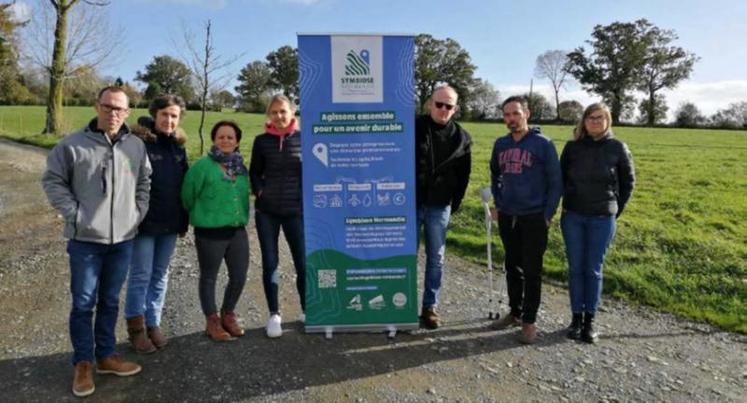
358	64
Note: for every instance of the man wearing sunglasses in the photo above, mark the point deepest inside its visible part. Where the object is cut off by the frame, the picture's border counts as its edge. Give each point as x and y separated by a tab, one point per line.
99	180
442	167
526	185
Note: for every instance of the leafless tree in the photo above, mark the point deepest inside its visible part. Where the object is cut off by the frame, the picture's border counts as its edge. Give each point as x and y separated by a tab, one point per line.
210	69
66	37
552	66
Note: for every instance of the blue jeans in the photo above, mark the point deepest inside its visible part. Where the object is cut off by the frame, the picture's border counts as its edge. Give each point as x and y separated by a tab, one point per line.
149	276
268	232
97	272
586	241
434	221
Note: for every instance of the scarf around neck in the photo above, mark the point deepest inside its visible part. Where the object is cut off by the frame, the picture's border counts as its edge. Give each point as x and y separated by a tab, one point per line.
233	162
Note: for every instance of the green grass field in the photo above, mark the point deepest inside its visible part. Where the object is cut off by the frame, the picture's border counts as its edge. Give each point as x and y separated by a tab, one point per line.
681	245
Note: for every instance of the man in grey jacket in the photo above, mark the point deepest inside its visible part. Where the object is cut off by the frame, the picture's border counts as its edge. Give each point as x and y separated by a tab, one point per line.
98	178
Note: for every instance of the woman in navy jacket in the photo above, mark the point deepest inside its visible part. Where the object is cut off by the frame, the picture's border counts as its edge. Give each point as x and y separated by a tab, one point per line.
598	179
166	218
275	172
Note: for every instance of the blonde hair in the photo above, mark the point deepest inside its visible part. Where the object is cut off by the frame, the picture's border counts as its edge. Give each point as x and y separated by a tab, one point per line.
280	98
580	131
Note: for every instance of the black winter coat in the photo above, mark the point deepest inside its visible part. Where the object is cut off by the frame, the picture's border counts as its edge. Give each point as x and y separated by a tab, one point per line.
275	172
166	215
598	176
441	183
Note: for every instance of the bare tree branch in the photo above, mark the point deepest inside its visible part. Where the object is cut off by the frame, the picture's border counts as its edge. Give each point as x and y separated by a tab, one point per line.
209	69
66	40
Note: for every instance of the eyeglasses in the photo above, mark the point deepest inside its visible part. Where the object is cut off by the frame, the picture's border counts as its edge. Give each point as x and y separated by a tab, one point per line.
106	108
440	105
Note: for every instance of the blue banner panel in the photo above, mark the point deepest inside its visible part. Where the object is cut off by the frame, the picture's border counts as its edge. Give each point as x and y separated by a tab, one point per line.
358	131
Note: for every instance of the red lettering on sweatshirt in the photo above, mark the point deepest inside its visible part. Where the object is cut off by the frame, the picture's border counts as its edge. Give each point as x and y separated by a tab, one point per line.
513	160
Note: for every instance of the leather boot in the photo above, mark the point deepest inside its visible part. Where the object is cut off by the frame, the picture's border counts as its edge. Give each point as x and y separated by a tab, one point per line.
157	337
574	330
430	319
228	320
215	330
528	333
116	365
83	379
588	334
140	341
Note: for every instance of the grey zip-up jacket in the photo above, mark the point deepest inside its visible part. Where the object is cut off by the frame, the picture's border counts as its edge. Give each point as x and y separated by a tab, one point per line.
100	188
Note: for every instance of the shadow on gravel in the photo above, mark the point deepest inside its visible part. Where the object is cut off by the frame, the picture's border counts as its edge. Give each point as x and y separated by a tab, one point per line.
193	368
633	335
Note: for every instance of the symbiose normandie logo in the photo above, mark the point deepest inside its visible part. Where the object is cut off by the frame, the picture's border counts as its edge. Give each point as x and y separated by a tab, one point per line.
358	64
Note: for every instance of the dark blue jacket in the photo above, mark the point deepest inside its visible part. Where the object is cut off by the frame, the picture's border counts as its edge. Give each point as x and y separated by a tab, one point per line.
525	175
167	156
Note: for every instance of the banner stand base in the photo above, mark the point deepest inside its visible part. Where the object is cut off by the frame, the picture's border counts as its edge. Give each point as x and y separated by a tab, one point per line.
390	329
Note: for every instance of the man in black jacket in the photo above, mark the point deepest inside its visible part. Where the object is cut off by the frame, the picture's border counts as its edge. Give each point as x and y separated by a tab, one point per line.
442	167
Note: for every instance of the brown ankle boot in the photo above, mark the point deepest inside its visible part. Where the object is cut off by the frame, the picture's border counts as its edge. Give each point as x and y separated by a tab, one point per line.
83	379
228	320
157	337
116	365
528	333
140	341
215	330
430	319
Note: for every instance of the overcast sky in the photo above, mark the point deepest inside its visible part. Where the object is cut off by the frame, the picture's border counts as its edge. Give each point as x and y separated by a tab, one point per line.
503	38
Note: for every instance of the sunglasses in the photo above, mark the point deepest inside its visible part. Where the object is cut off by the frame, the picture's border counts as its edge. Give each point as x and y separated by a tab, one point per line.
440	105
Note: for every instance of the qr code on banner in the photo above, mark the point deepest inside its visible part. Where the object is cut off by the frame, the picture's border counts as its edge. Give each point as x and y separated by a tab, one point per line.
327	278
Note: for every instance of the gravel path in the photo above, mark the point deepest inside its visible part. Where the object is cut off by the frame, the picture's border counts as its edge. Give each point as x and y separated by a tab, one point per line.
643	355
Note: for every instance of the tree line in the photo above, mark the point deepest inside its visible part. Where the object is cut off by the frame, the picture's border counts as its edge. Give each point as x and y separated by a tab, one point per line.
623	58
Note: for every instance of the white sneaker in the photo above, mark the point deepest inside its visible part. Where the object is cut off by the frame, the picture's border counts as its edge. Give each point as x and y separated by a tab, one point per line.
302	317
273	326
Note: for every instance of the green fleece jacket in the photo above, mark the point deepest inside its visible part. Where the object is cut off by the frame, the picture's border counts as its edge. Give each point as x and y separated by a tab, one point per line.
213	202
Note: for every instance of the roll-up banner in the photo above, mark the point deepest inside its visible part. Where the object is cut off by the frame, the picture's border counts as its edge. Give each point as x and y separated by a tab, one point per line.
357	116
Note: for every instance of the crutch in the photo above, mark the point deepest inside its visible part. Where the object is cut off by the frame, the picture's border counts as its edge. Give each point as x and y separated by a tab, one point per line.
485	195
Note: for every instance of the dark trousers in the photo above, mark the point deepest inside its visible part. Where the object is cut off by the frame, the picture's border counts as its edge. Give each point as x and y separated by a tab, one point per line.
268	232
210	254
524	241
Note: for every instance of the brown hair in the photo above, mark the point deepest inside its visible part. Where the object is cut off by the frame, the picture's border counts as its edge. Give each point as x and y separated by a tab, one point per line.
516	98
164	101
580	131
222	123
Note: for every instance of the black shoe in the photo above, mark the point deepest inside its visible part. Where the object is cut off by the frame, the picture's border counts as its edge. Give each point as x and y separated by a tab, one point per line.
574	330
588	335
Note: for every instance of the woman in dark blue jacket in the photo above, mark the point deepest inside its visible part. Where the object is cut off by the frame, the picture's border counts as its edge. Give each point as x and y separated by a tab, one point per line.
598	179
275	172
156	239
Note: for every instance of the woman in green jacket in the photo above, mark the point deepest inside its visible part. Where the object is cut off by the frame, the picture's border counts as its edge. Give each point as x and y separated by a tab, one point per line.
216	194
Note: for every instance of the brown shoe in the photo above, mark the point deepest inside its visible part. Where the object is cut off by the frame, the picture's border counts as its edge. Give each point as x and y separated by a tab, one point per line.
228	320
215	330
157	337
504	322
139	340
528	333
430	318
83	379
116	365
